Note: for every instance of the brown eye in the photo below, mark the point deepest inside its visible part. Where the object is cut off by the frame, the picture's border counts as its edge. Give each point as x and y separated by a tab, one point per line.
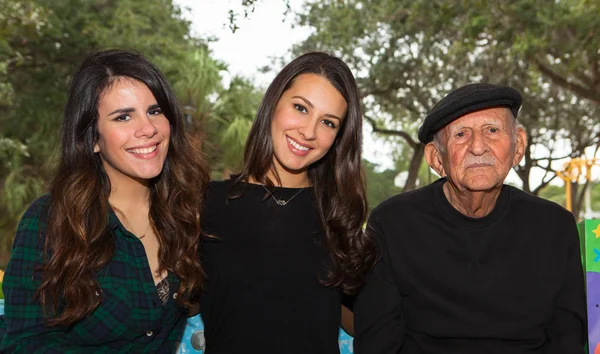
122	118
300	108
328	123
155	112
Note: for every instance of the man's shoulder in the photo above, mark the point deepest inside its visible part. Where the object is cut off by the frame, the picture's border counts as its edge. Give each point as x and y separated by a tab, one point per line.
528	204
405	201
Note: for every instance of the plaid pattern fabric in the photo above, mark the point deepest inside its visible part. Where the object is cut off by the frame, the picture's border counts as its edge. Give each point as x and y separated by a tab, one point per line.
130	318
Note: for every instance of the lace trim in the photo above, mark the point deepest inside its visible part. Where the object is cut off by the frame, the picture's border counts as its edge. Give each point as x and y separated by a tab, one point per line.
162	288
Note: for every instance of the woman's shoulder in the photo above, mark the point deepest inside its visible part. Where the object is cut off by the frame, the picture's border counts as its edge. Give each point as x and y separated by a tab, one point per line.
217	192
218	189
38	210
33	223
217	185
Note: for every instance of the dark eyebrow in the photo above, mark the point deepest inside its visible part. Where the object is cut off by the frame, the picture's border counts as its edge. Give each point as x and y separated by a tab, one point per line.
311	106
122	111
130	109
305	100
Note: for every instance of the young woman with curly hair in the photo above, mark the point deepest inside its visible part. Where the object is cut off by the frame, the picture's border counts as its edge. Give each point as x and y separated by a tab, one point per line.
106	262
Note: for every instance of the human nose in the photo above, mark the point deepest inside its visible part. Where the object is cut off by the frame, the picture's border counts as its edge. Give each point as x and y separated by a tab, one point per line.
478	144
146	128
308	130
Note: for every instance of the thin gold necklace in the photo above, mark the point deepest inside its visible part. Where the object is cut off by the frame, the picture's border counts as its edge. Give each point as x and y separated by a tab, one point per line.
145	231
283	202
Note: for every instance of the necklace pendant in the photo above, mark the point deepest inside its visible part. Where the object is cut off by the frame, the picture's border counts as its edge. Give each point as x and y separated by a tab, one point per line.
282	202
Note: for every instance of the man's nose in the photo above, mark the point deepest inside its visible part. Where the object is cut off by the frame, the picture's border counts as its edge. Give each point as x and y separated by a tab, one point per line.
478	144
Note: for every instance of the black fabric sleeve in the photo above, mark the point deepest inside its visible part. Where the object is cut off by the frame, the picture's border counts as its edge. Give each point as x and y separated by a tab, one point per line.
348	301
378	322
567	332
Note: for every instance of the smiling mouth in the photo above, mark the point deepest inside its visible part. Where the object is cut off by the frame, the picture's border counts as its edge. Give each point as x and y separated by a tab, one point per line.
145	150
296	145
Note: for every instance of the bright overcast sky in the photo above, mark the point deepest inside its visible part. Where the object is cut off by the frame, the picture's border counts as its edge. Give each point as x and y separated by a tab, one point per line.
266	33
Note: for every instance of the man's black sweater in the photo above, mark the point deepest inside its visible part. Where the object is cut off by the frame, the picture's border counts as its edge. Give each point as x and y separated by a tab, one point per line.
509	282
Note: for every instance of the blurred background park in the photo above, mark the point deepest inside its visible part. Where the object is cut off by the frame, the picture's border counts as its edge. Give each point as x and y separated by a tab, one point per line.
219	56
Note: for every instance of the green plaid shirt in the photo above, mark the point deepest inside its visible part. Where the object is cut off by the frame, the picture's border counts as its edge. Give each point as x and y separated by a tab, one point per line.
130	318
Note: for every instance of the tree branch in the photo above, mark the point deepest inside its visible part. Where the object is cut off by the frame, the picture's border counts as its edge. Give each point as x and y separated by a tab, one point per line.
550	158
558	79
595	72
543	184
404	135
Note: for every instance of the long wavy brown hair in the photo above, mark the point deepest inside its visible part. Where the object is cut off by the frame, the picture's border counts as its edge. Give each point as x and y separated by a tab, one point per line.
78	239
338	178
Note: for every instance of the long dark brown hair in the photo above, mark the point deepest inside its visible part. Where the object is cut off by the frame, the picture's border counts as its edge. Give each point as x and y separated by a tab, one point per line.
337	178
78	239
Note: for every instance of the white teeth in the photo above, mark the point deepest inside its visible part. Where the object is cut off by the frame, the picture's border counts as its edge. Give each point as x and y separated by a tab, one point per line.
297	146
143	150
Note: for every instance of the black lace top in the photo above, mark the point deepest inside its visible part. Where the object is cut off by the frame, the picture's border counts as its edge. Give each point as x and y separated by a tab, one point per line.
163	290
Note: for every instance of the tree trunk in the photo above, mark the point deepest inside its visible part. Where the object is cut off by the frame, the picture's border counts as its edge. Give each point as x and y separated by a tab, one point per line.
525	171
413	169
577	197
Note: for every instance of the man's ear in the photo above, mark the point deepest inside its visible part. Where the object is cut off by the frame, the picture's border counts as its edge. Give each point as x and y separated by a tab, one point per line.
521	144
434	159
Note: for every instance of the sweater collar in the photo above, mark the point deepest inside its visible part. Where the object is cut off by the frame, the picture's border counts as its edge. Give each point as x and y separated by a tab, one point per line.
448	210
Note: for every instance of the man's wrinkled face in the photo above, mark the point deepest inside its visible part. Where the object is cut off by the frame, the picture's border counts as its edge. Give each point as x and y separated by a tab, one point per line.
480	148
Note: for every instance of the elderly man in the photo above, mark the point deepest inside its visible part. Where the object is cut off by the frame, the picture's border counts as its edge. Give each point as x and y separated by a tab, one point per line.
470	265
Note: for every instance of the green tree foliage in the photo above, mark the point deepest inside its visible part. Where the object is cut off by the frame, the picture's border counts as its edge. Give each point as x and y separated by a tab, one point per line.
558	38
230	123
554	193
380	184
408	54
220	117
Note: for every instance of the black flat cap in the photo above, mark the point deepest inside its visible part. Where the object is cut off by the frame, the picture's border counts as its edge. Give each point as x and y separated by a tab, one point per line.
467	99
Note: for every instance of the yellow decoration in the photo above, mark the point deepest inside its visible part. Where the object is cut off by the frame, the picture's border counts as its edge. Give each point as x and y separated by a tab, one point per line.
597	231
573	169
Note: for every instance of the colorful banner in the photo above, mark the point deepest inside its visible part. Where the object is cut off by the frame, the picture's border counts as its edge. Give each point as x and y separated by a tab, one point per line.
589	232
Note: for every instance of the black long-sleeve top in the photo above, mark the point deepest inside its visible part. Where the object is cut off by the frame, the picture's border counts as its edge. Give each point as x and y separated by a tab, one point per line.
510	282
263	263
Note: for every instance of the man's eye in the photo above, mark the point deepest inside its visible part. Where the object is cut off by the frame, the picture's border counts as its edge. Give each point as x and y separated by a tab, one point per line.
493	130
460	134
300	108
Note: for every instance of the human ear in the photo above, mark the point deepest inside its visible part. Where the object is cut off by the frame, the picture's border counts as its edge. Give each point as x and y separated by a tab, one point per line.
521	144
434	159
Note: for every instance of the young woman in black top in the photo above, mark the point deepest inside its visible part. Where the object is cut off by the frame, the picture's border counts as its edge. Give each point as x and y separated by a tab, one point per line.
284	237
